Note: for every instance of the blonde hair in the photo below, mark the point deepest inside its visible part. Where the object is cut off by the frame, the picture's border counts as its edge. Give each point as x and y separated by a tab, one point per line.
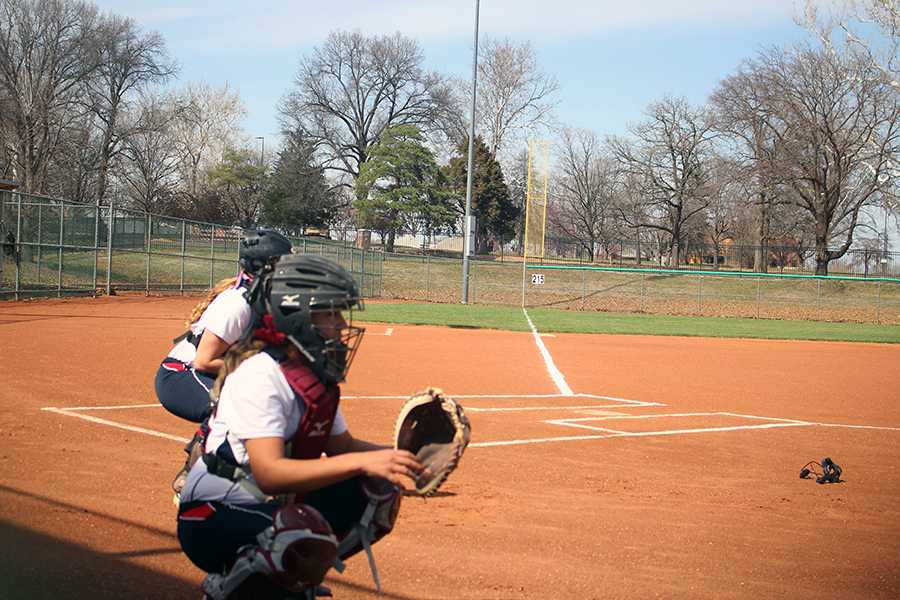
217	289
238	353
235	355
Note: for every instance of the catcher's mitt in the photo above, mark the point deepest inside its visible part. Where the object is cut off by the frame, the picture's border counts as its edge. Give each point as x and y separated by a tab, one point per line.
435	429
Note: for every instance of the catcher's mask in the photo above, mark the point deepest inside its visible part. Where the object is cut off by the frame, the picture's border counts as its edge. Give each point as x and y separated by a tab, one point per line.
260	248
306	296
831	471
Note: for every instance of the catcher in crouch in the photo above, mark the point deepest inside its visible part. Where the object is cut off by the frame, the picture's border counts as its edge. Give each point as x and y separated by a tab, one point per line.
264	513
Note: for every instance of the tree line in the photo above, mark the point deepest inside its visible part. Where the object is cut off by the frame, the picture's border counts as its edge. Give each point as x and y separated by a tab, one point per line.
797	148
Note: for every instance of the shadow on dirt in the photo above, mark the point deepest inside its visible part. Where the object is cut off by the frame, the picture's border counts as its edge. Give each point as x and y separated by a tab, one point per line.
34	565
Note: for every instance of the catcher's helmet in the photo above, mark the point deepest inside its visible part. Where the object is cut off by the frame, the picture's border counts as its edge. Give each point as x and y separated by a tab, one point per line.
259	246
301	285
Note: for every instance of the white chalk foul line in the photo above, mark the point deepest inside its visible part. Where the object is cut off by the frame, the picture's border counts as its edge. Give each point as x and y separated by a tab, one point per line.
858	426
110	407
578	422
387	332
672	415
532	408
117	425
555	374
513	396
619	401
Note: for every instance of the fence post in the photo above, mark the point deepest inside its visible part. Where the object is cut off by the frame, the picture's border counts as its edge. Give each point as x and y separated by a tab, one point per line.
212	253
641	304
59	266
818	297
40	238
700	294
149	227
758	280
427	278
362	269
109	244
878	304
583	287
183	252
17	256
96	244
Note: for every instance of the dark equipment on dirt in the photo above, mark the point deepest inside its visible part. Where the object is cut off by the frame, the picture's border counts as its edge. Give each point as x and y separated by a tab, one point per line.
830	471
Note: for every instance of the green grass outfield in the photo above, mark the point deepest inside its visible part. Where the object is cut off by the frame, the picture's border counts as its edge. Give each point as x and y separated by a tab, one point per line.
561	321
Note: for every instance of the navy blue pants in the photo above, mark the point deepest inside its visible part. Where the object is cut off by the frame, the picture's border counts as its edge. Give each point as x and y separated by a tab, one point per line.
211	533
183	391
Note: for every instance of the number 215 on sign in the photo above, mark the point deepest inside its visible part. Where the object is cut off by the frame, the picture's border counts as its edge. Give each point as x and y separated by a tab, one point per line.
537	279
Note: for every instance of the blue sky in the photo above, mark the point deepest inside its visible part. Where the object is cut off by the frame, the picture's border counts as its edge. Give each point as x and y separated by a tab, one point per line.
612	58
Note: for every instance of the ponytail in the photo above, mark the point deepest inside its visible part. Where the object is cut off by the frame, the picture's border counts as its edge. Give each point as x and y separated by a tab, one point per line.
235	355
217	289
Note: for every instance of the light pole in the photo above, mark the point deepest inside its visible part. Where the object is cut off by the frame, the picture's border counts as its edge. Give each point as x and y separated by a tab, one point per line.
467	245
262	150
884	255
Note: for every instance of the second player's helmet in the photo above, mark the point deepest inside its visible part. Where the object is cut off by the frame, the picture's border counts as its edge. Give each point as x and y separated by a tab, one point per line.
302	285
259	247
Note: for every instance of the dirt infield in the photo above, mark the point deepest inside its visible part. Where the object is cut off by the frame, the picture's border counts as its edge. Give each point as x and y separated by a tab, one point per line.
669	469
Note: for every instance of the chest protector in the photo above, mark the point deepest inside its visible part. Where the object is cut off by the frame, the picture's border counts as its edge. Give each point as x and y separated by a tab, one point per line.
321	408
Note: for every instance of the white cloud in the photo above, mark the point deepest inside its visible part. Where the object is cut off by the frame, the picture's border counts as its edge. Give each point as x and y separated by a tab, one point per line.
268	24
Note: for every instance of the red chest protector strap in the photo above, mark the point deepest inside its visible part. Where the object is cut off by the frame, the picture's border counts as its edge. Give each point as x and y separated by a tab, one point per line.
321	407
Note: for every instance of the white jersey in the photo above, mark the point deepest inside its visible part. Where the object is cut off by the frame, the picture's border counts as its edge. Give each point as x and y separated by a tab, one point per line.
228	316
256	402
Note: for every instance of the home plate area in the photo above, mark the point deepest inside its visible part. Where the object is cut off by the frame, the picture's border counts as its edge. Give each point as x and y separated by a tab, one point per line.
596	417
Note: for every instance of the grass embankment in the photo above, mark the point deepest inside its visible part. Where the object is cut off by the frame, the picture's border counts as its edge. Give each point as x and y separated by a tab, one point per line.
561	321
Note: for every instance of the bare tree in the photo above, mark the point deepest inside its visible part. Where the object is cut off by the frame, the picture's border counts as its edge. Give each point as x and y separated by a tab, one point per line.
149	159
669	158
205	127
727	196
353	87
743	117
7	134
128	61
840	131
514	94
72	174
792	235
584	190
517	182
48	50
868	26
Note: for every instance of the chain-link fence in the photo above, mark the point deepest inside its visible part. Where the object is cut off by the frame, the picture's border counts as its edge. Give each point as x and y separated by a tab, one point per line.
773	258
649	290
50	247
797	259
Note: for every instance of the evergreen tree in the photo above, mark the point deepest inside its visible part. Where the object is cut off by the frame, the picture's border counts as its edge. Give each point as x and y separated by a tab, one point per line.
494	211
298	195
401	188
